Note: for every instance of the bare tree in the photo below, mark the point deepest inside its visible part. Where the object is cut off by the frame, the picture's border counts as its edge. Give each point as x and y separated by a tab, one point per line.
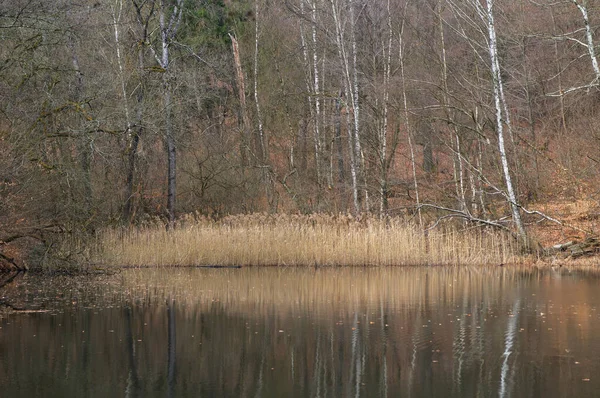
485	12
487	15
169	18
350	77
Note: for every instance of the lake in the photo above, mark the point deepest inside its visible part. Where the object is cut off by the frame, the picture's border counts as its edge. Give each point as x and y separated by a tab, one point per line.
304	332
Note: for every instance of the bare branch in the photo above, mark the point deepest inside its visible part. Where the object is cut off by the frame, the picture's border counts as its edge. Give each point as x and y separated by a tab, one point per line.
594	83
455	213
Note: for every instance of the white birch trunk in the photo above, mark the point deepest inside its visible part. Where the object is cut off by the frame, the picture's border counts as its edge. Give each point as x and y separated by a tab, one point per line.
356	107
261	136
383	203
589	37
117	10
131	139
310	87
500	107
353	136
264	154
316	88
353	163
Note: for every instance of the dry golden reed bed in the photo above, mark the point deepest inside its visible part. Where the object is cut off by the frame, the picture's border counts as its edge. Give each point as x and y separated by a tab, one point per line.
294	240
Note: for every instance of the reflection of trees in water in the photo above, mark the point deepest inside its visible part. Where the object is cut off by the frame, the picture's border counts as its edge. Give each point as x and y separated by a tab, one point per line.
133	384
507	374
440	333
171	348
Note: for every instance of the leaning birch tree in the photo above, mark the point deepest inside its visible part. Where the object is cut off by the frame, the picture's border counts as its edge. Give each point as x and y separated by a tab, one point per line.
484	9
502	116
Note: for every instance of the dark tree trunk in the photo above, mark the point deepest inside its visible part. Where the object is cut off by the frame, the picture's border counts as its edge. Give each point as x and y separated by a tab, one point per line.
171	155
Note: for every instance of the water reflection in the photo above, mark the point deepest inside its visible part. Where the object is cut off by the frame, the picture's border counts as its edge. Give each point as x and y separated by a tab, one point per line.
442	332
506	378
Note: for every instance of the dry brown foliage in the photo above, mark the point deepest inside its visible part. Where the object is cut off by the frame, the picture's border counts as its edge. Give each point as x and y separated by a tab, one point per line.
297	240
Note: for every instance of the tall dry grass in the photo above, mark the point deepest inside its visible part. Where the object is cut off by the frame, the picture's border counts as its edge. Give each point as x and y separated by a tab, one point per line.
293	240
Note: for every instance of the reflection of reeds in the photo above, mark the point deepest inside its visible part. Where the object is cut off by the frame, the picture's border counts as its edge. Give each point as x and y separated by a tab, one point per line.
301	240
252	289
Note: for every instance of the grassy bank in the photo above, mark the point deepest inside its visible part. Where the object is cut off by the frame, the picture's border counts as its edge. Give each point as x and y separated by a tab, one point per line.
289	240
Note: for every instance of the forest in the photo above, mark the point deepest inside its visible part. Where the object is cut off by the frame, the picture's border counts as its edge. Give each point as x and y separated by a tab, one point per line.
476	112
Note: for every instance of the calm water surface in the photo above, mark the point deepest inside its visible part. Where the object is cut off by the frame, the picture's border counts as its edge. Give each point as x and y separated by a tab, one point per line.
411	332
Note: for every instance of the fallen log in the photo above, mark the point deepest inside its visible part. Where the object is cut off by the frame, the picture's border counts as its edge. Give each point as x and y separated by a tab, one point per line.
574	249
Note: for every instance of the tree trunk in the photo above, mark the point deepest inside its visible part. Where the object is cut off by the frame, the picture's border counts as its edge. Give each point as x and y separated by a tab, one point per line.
130	136
338	143
589	37
313	90
85	142
245	144
351	90
501	107
262	141
383	144
171	154
261	136
170	141
408	128
134	143
317	95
